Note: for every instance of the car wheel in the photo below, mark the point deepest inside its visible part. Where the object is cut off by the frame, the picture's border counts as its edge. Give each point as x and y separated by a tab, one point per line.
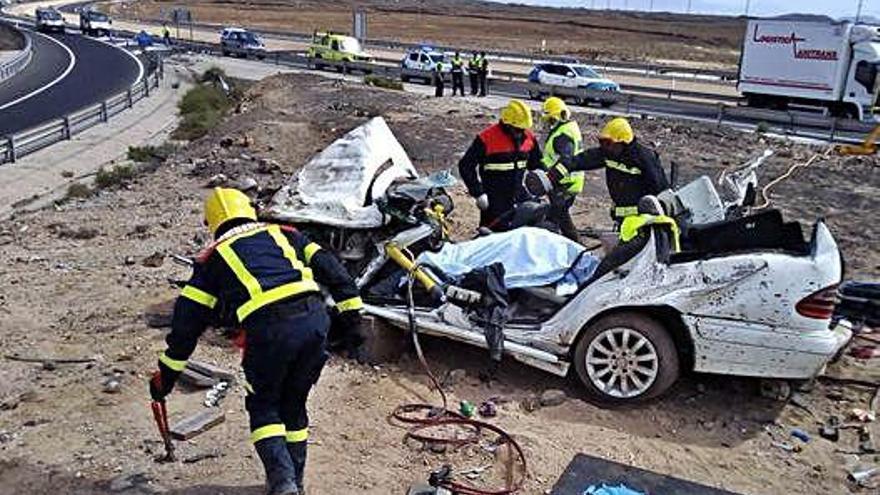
225	53
626	358
534	96
606	103
404	78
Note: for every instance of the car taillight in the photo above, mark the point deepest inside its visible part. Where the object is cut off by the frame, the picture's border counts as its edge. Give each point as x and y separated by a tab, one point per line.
818	305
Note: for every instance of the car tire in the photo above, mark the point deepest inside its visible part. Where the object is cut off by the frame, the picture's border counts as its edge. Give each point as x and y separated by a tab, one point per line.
225	53
534	96
651	365
606	103
404	78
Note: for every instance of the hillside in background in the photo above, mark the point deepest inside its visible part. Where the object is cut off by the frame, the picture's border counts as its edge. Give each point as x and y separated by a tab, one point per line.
711	41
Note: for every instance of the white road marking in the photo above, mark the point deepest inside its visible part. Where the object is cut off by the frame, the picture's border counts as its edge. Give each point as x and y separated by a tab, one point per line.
51	83
130	54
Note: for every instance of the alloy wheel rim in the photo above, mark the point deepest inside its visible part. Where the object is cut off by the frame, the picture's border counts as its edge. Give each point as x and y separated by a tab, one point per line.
622	363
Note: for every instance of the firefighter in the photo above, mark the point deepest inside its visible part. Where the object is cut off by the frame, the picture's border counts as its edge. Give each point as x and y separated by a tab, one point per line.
264	277
564	142
474	73
457	74
632	170
493	166
438	79
484	73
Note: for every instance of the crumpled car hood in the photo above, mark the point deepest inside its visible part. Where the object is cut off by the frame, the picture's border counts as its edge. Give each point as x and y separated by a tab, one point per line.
339	185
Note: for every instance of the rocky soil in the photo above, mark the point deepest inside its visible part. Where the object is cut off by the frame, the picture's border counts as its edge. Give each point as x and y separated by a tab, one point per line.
78	277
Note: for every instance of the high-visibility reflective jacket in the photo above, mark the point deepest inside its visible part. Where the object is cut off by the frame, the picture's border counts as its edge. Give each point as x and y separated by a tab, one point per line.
457	64
632	224
249	268
636	173
564	143
494	164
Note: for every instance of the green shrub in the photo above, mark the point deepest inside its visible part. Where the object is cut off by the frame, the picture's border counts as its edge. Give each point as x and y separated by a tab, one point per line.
78	191
762	127
143	154
212	74
201	109
383	82
116	176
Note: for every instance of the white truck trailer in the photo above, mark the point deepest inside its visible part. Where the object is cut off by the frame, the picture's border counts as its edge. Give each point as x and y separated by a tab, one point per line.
832	65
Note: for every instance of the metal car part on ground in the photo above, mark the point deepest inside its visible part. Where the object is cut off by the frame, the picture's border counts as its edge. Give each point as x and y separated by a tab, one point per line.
747	295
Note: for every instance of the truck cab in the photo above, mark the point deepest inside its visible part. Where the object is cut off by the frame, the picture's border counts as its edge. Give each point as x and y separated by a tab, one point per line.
336	47
863	85
49	19
94	23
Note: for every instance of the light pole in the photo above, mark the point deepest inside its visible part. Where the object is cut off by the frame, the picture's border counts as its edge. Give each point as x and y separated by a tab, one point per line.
689	7
748	5
859	11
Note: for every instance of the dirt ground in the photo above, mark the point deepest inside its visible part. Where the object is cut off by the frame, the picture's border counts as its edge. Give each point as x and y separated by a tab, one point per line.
709	41
76	286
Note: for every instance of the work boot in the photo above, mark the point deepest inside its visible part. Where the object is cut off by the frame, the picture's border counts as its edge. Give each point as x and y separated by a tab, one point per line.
280	471
297	452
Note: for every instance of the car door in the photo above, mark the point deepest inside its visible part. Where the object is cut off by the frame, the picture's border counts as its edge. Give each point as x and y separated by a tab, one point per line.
553	75
569	77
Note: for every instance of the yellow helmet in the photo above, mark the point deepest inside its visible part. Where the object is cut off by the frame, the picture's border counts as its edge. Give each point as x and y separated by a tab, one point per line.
555	109
517	114
617	130
224	204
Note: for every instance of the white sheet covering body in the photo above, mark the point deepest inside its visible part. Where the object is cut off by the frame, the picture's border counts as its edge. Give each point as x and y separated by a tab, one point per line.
532	257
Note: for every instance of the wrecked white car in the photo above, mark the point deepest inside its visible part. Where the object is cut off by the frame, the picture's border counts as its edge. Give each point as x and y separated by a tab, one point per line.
746	294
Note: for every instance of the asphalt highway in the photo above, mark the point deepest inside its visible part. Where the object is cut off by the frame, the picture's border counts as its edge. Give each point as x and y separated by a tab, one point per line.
67	72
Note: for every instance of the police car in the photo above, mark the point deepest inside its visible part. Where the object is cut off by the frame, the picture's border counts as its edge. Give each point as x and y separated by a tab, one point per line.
241	42
419	63
571	75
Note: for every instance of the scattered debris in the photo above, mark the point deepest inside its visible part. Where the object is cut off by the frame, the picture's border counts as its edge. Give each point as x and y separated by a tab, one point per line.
201	456
217	180
45	360
488	409
830	430
112	386
466	408
210	370
553	397
866	441
862	415
779	390
159	315
862	476
531	403
197	424
800	435
214	396
246	184
154	260
79	233
195	379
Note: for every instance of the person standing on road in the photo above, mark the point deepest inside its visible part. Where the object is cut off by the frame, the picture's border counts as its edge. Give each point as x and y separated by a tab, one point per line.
474	73
484	73
438	79
264	277
166	35
493	166
563	144
457	74
632	170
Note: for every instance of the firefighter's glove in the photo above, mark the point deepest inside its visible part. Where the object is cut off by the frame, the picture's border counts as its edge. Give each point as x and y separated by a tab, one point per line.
482	202
353	339
162	382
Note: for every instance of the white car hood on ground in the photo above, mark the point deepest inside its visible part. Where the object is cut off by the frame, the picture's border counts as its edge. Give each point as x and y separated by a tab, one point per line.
337	187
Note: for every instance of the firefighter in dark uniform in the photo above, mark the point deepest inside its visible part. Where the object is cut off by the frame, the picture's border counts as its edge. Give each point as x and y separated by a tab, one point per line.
632	170
564	143
474	73
494	165
265	278
457	74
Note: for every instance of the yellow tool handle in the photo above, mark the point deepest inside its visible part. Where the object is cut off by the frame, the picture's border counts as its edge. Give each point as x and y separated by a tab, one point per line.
394	252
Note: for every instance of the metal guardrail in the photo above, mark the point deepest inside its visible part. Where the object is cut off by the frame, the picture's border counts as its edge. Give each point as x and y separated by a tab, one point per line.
18	62
31	140
645	69
634	99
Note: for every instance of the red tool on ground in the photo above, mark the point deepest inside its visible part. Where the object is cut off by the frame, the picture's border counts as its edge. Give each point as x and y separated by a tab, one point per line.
160	414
